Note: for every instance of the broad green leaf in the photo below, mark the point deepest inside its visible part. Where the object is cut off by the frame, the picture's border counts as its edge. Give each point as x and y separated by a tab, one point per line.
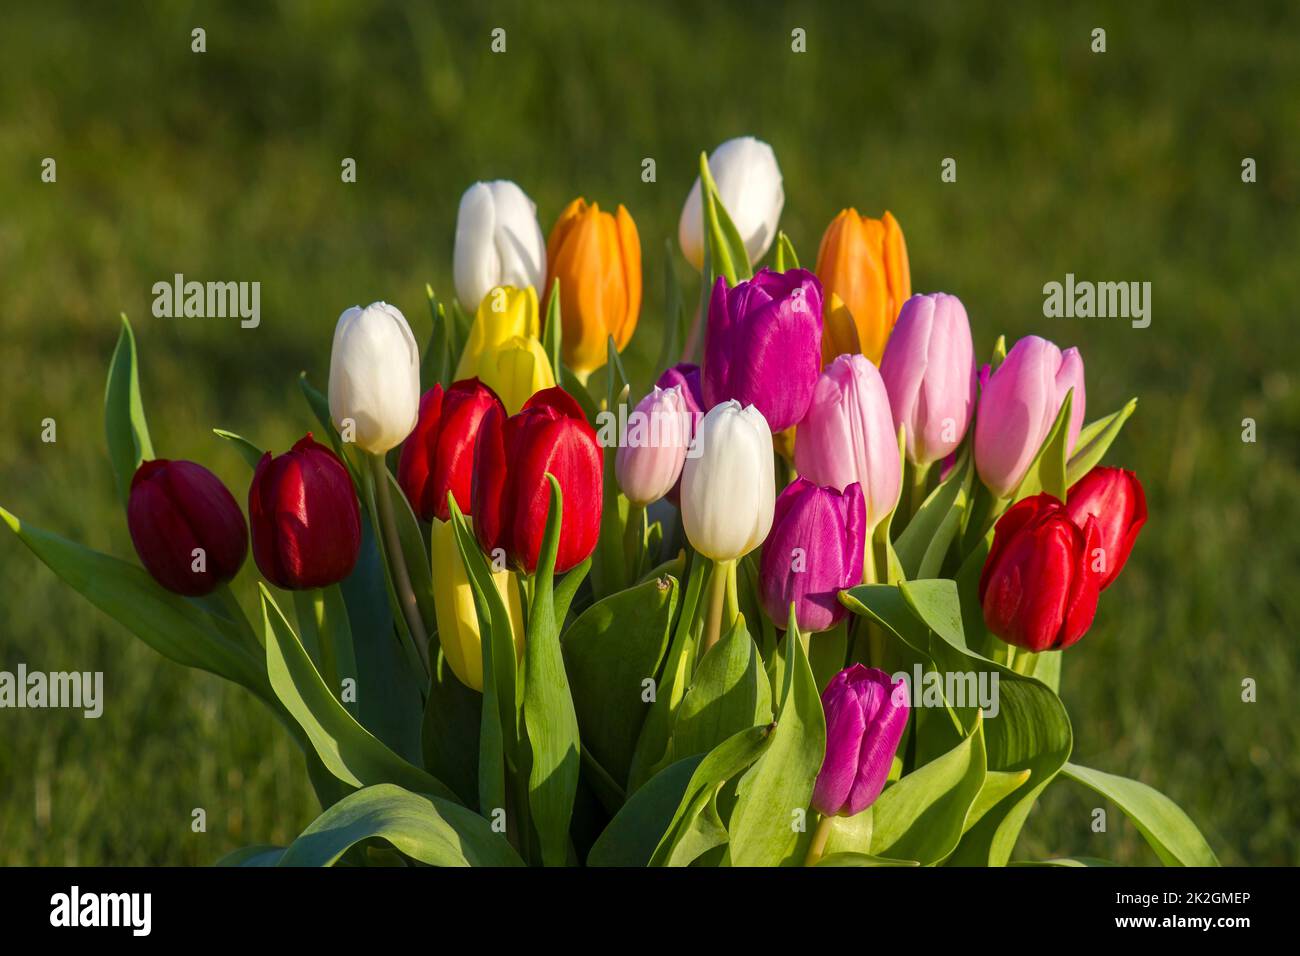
997	785
1094	440
423	826
631	837
124	422
861	859
567	589
550	724
780	784
252	856
347	749
438	365
450	732
1162	823
553	331
610	650
728	694
247	450
726	252
925	540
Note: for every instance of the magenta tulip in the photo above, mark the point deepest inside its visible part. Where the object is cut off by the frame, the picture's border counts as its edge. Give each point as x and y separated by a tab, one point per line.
929	372
1018	407
866	714
764	344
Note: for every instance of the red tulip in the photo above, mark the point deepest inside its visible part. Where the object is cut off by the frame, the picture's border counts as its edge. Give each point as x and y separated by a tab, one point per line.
511	495
438	456
305	519
1116	499
177	508
1038	587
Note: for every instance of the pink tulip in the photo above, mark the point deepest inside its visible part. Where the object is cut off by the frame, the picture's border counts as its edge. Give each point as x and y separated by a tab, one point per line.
1018	407
929	373
650	456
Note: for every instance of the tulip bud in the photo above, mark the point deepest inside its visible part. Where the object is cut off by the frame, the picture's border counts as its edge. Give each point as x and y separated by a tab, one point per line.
764	344
728	483
866	714
438	457
839	334
186	527
1038	587
864	262
374	388
597	259
649	462
687	376
511	494
1018	407
815	550
929	373
498	242
305	519
1115	498
749	185
848	436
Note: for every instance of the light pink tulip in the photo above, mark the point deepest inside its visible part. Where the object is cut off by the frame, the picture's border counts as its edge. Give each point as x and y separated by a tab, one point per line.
1018	407
651	454
848	435
929	372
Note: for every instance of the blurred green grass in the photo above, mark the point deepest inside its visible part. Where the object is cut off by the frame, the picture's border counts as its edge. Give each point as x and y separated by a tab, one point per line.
1115	166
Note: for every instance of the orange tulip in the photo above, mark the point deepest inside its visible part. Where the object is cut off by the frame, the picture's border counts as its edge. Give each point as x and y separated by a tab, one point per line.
597	258
864	262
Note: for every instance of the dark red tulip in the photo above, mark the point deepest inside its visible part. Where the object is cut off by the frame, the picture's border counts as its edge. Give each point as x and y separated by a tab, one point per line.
1115	498
511	494
177	507
438	456
1038	588
305	518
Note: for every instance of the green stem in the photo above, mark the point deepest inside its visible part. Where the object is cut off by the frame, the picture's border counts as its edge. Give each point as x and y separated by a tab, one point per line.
821	834
916	493
717	595
1025	663
875	636
634	541
396	559
310	605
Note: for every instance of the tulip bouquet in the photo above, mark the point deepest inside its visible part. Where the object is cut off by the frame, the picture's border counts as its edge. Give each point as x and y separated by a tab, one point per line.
801	603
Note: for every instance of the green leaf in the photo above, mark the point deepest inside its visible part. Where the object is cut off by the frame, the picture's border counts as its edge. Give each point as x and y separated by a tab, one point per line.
1094	440
252	856
1065	861
347	749
423	826
247	450
725	250
124	422
567	589
924	542
1162	823
1047	473
553	332
450	732
610	650
786	259
860	859
631	837
729	694
320	408
781	782
439	363
549	719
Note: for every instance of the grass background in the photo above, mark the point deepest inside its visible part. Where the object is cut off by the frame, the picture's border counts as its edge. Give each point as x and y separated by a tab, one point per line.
225	165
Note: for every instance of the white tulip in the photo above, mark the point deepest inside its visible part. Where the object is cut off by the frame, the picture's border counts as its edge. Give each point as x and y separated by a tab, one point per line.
728	486
374	388
749	184
498	242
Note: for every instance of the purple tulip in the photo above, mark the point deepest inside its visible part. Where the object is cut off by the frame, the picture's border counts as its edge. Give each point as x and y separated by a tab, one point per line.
814	551
848	436
929	373
764	344
650	457
1018	407
865	717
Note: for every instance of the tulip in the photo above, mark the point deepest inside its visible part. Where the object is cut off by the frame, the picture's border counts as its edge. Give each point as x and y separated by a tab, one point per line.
1038	588
687	376
305	519
864	262
374	388
848	436
839	334
749	185
729	485
764	344
929	372
503	314
866	714
596	257
186	526
649	462
438	457
1115	498
815	550
498	242
1018	407
511	494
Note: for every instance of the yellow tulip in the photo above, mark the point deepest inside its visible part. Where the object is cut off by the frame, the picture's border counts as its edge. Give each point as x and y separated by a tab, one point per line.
596	257
864	262
504	313
839	333
516	369
454	604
